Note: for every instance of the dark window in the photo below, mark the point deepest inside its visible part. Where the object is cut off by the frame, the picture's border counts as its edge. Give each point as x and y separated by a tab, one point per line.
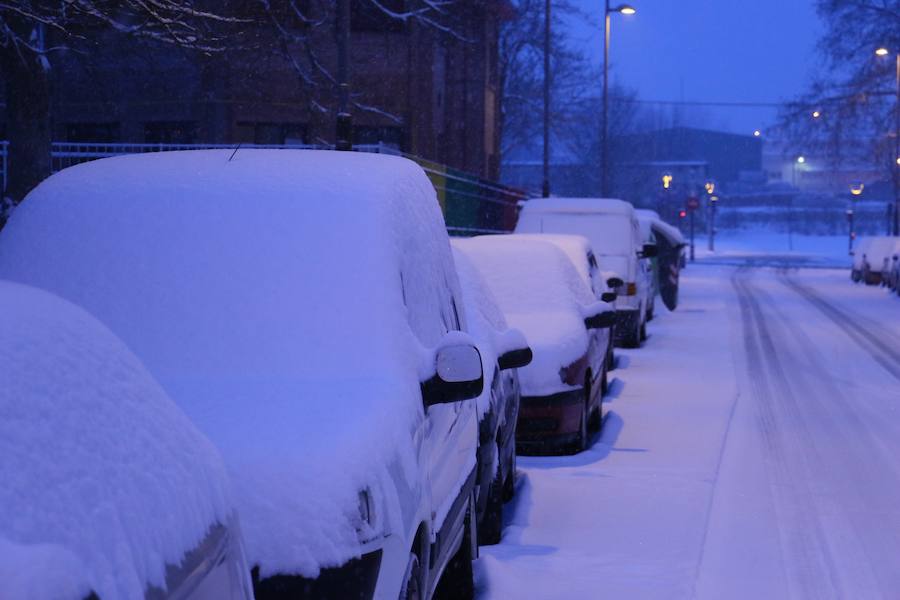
170	132
365	16
389	136
272	133
93	132
2	131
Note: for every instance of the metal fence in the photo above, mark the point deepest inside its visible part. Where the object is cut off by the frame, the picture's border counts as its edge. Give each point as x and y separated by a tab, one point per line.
471	205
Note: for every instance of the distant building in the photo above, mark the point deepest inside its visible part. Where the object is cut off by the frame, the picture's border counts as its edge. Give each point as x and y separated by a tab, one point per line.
431	94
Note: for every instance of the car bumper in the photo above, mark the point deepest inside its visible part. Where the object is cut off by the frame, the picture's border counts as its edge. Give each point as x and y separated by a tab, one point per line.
354	579
547	420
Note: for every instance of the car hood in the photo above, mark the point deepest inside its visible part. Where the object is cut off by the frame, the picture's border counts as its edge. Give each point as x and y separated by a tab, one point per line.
299	453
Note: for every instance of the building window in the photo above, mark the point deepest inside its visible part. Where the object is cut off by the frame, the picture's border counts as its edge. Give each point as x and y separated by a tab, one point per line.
271	133
389	136
170	132
104	133
365	16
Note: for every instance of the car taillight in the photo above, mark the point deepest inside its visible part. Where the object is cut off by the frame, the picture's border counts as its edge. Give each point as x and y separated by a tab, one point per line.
631	289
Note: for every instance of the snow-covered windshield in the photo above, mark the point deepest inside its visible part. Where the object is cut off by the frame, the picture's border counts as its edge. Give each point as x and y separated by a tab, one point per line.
609	234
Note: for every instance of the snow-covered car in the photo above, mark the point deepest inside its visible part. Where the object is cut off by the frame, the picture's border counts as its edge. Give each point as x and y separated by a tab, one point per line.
540	293
302	307
108	489
669	258
871	256
645	219
602	283
612	228
503	351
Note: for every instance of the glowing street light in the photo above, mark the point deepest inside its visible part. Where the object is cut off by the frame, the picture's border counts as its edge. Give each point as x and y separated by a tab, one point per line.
667	181
801	159
882	52
623	9
757	133
816	114
710	187
857	188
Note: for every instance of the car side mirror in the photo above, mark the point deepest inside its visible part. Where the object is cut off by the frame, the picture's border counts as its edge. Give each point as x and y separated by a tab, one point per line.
601	320
515	359
458	375
614	282
649	251
609	296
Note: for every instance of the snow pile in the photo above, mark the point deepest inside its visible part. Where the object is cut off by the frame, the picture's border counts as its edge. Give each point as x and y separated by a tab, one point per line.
105	481
541	293
267	294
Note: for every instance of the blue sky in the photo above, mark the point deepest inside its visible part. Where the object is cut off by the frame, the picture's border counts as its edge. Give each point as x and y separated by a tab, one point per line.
709	50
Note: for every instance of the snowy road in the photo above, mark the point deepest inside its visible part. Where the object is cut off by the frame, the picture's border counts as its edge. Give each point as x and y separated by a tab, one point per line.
751	449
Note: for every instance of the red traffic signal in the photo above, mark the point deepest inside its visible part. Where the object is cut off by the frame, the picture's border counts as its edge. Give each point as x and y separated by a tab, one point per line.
682	214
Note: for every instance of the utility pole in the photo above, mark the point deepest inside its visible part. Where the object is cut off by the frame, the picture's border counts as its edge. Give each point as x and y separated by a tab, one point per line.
896	157
624	9
545	187
344	125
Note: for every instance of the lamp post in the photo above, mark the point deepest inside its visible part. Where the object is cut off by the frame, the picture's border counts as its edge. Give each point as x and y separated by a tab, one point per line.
624	9
896	158
800	160
545	187
711	208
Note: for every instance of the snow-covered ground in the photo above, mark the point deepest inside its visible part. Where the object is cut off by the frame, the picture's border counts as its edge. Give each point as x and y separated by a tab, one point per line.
750	449
734	246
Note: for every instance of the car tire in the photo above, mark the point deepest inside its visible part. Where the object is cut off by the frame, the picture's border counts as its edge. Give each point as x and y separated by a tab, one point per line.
633	338
581	436
458	580
643	332
412	580
604	384
509	484
491	525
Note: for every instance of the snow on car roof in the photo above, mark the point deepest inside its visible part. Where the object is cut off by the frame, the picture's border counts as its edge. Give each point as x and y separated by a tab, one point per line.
651	219
105	481
576	247
876	249
540	293
271	309
578	205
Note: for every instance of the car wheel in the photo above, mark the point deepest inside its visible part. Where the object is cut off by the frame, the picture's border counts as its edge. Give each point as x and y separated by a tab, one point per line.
458	580
491	526
509	485
604	383
412	580
633	338
580	442
643	333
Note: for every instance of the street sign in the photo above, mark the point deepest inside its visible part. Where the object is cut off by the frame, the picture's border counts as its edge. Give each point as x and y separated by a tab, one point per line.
693	202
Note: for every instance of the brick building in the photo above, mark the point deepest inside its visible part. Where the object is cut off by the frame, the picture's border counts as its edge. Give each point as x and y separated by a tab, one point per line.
429	93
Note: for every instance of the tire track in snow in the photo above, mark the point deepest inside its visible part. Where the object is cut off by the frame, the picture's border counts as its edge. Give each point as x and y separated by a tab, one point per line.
856	467
858	328
806	556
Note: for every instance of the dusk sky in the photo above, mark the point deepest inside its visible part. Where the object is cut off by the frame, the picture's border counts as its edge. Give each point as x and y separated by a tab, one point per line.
761	51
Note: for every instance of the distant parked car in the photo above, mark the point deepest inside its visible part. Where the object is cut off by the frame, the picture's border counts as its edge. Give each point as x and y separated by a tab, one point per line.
108	489
646	219
503	351
858	253
541	293
303	308
876	258
615	237
602	283
670	246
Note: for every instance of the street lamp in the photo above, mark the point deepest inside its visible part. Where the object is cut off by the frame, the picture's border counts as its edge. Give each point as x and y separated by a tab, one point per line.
816	114
545	186
624	9
896	178
757	133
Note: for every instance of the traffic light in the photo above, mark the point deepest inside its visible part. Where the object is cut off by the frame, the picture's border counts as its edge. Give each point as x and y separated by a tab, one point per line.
682	214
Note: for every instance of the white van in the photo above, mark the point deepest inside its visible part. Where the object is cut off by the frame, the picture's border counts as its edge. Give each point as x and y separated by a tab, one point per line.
615	236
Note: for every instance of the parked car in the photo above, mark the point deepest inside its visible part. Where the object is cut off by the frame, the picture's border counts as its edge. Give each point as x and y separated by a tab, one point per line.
646	219
108	489
894	279
669	260
541	293
303	308
615	237
602	283
503	351
871	257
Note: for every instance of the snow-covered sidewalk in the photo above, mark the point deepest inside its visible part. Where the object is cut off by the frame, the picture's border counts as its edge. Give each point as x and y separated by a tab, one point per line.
691	490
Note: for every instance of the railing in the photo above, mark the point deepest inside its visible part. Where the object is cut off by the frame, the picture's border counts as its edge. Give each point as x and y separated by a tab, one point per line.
471	205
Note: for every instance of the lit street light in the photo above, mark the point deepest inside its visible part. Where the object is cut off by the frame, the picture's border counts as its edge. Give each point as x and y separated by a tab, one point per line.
545	186
757	133
816	114
896	178
624	9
